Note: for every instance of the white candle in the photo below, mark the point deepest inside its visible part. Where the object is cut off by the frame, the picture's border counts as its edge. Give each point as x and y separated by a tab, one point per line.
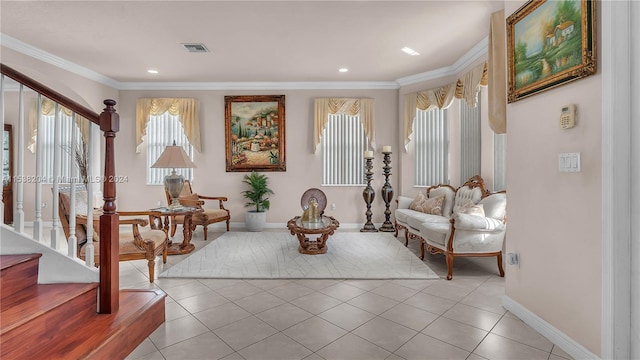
386	149
368	154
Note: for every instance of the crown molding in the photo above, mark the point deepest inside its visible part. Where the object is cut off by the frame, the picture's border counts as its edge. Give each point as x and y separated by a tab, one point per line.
479	50
476	52
39	54
293	85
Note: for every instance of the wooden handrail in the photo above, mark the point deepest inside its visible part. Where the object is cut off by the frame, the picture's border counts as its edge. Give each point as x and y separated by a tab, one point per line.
50	93
109	122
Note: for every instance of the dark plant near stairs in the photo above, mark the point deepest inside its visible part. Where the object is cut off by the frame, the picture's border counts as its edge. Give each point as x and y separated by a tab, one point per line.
258	191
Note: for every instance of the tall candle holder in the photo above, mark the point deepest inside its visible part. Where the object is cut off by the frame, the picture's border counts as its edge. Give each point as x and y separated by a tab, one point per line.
387	193
368	194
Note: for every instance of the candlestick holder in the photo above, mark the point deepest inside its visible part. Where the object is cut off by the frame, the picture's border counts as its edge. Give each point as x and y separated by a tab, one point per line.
387	194
368	194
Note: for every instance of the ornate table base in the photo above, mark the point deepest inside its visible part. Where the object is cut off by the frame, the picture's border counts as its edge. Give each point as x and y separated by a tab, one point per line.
185	247
323	229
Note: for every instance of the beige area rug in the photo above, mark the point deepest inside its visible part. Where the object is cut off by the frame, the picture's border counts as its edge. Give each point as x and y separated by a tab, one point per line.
274	255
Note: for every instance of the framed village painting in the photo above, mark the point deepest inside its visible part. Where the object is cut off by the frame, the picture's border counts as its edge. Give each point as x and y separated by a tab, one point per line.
255	133
550	43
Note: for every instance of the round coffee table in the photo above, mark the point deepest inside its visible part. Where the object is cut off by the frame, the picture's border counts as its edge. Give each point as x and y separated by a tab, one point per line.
323	228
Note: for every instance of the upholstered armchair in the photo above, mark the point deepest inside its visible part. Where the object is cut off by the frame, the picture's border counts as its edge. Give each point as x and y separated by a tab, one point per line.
207	216
469	234
145	239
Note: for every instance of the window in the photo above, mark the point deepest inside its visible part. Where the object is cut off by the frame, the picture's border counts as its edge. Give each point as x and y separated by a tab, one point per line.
431	138
67	128
470	146
163	130
343	144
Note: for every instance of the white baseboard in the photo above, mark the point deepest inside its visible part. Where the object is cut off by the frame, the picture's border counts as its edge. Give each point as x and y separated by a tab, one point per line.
547	330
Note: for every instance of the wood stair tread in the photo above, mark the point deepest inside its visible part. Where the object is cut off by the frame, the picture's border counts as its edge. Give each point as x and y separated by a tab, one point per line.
27	304
7	261
112	335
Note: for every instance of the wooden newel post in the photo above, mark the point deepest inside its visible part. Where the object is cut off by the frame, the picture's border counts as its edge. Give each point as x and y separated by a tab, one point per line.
109	223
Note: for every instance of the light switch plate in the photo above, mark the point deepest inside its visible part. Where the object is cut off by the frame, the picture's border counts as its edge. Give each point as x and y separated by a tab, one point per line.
569	162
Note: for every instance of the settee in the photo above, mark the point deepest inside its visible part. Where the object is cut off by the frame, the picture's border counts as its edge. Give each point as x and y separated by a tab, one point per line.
468	221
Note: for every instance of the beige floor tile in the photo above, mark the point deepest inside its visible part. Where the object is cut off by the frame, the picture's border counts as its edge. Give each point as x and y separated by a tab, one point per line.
475	357
290	291
215	284
496	347
394	357
245	332
342	291
145	348
175	331
205	346
347	316
425	347
204	301
483	301
316	302
317	284
259	302
221	315
409	316
519	331
373	303
168	283
556	357
385	333
394	291
448	291
455	333
314	356
415	284
267	284
470	315
275	347
284	316
156	355
186	290
238	291
233	356
173	310
366	284
351	347
314	333
430	303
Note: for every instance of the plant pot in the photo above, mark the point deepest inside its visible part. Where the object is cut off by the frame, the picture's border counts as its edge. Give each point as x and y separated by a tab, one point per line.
254	221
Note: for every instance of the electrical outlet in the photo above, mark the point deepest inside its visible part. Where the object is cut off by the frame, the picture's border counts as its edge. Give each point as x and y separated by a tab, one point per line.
44	205
513	259
333	206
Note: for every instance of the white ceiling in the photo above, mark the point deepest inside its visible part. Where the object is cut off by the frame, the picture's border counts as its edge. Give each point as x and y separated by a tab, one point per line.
251	41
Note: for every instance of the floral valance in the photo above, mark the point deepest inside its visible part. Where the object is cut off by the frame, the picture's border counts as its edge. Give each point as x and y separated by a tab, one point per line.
48	108
185	108
326	106
466	87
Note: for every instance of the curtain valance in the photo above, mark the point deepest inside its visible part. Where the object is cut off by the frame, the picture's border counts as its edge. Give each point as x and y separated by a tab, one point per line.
326	106
497	75
48	107
465	87
185	108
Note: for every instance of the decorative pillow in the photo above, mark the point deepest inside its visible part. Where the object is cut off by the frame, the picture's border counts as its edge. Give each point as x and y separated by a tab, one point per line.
463	206
81	203
418	201
477	210
431	206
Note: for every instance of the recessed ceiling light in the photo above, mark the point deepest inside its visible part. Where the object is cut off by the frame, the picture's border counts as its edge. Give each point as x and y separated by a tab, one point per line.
343	69
151	71
410	51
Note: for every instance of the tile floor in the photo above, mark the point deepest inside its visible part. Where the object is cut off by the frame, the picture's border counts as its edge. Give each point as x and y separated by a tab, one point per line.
338	319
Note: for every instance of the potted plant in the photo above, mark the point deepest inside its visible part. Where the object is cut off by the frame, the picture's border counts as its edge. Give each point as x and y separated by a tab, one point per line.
258	200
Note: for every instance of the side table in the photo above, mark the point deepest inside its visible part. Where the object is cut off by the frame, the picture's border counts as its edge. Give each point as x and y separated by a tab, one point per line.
187	228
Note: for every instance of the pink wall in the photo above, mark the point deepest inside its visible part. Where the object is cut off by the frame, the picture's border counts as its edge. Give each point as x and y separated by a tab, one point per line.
555	218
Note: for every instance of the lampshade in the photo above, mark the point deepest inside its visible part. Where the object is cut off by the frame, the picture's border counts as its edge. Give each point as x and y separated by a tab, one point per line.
174	157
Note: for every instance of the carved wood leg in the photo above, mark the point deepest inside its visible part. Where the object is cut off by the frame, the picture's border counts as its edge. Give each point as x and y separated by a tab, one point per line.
173	228
406	238
205	231
395	234
227	224
164	254
421	249
152	266
449	257
500	265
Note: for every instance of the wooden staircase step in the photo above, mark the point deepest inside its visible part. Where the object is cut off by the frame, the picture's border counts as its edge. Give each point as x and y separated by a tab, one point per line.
102	336
17	272
46	305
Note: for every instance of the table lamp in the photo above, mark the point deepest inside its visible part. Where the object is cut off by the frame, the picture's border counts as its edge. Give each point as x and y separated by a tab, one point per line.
174	157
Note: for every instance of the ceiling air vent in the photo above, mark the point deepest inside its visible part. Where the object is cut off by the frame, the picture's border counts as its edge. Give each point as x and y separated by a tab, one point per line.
196	48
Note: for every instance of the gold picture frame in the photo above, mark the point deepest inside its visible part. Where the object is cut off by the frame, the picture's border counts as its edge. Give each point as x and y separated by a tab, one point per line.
255	133
550	43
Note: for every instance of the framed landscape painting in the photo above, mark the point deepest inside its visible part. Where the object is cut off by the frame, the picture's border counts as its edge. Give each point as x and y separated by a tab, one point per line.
550	43
255	133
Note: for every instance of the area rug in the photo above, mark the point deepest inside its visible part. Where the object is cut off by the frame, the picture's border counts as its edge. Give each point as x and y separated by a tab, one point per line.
274	255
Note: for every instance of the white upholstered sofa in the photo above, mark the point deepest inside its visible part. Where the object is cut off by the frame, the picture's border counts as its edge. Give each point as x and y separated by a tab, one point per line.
472	222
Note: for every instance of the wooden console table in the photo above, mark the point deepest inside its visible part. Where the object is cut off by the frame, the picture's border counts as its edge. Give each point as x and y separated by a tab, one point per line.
323	228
